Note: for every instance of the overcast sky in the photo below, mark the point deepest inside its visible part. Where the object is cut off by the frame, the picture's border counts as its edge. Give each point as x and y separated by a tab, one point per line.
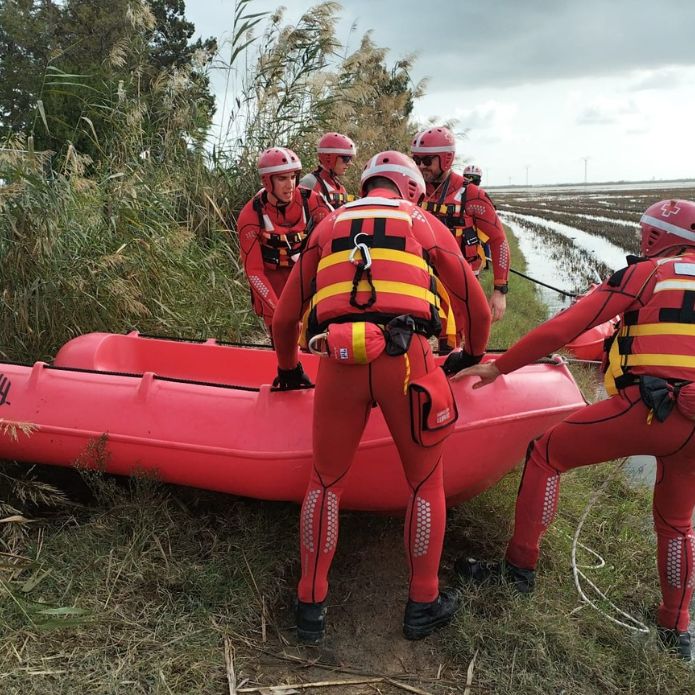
548	89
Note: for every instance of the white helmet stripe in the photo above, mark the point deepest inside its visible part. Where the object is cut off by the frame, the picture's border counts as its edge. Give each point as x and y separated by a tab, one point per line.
337	150
289	166
440	148
376	170
666	227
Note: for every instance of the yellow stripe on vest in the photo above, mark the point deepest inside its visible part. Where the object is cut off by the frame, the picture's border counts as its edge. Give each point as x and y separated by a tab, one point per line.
658	329
377	255
359	343
657	360
448	317
387	286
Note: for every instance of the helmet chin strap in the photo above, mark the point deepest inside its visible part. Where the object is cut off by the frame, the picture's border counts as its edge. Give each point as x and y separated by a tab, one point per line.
278	203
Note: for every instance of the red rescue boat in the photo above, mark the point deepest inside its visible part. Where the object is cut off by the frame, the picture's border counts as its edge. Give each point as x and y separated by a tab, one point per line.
589	345
203	414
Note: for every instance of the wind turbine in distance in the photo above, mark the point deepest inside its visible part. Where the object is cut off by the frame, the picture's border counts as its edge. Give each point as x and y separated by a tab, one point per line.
586	161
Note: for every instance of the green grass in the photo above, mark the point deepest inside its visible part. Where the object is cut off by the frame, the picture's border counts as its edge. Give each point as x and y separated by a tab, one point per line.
136	591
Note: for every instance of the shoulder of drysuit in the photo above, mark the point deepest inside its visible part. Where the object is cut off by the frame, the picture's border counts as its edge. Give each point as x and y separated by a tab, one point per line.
636	272
315	203
249	213
639	269
474	193
309	181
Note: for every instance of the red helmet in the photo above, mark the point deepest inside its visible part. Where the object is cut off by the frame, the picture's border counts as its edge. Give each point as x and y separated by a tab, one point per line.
473	170
332	146
436	141
277	160
398	168
666	224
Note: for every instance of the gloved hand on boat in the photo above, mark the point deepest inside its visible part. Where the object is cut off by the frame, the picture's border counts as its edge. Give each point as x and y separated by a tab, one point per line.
290	379
456	361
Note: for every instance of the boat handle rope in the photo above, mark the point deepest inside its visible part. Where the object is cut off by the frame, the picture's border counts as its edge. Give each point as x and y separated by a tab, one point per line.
543	284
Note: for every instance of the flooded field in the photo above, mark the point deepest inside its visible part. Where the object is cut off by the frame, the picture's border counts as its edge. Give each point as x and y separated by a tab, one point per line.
572	237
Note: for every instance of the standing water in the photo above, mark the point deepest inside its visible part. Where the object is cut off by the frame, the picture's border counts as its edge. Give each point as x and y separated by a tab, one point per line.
570	267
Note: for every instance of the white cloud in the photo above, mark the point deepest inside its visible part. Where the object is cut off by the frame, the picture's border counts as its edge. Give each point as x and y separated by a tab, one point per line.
605	111
665	79
539	84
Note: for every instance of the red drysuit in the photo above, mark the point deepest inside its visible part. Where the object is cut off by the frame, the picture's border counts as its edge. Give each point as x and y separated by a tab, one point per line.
400	237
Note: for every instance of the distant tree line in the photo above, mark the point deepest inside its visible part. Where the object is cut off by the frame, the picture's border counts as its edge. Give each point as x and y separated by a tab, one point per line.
68	68
95	74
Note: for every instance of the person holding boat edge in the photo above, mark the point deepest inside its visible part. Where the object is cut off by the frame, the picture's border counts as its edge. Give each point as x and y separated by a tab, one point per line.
649	373
376	279
465	208
272	228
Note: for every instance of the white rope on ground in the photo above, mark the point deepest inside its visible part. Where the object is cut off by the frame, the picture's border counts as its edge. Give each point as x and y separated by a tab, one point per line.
637	626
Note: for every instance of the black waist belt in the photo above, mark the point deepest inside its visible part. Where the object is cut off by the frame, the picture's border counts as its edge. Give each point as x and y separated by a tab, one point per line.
626	380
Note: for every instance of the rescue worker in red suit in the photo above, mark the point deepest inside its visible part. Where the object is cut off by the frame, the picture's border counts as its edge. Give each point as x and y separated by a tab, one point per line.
272	228
336	154
473	173
464	208
650	367
379	267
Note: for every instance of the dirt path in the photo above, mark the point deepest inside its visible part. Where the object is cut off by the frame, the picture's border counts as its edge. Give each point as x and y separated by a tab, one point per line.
364	633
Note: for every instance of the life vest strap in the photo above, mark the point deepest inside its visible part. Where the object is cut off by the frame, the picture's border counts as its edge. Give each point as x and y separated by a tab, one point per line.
377	254
386	286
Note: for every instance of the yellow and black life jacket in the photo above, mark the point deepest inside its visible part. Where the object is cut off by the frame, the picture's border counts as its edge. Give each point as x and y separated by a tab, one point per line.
373	269
334	197
658	339
281	245
452	213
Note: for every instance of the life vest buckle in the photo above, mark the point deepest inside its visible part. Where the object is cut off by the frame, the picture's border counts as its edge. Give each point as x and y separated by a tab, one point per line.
366	261
312	344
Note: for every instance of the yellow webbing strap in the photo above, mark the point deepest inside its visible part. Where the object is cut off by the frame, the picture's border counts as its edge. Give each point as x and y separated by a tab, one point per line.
359	344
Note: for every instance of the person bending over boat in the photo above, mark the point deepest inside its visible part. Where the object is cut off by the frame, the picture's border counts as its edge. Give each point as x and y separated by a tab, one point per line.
649	370
377	278
272	228
465	208
336	153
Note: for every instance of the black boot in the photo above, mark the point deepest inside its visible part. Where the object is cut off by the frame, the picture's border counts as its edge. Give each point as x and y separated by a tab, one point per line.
676	642
480	571
422	619
311	622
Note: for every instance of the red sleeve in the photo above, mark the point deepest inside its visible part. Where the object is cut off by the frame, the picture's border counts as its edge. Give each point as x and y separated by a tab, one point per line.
468	300
249	232
318	208
620	293
485	219
295	298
